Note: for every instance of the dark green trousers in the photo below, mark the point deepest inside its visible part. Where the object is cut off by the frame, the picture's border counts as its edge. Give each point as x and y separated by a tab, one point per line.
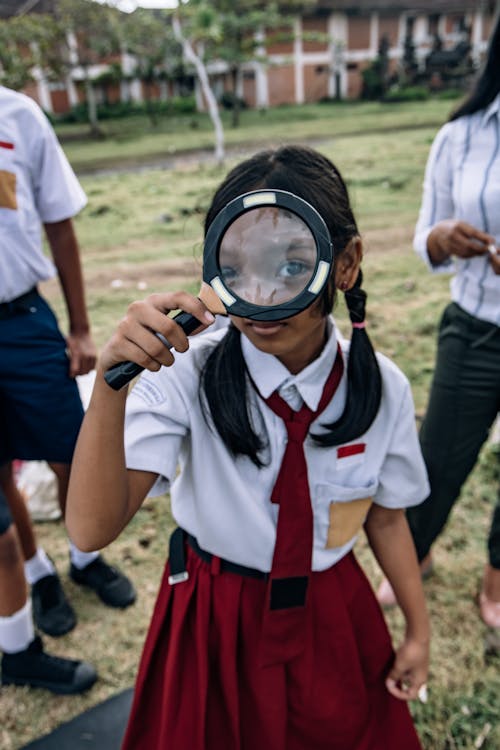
463	403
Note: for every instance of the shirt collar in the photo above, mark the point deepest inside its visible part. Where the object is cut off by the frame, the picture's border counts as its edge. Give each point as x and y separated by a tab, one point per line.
269	374
493	109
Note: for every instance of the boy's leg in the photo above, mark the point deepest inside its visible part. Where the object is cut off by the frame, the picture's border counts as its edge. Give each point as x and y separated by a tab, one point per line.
24	661
52	612
89	568
44	412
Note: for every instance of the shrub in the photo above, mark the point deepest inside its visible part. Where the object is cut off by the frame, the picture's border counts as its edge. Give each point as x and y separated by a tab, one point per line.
406	94
228	100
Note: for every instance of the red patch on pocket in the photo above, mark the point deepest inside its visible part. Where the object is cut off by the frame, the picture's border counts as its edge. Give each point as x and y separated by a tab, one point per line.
5	144
350	450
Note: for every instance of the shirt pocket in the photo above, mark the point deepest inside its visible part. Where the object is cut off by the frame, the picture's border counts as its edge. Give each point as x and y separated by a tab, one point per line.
340	512
8	191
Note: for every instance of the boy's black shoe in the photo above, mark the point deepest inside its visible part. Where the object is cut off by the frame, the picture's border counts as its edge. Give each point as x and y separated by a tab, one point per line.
35	668
110	585
52	612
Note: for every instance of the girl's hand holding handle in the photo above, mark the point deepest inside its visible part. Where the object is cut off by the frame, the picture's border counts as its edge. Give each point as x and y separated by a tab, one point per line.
409	672
145	335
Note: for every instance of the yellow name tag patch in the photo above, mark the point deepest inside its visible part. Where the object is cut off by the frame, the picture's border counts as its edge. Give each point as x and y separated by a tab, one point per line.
346	520
8	198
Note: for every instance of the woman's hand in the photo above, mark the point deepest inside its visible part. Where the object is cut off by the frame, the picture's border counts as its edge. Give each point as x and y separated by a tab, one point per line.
134	340
410	669
454	237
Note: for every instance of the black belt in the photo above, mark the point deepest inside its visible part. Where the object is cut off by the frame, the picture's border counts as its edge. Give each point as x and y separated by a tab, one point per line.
177	558
21	304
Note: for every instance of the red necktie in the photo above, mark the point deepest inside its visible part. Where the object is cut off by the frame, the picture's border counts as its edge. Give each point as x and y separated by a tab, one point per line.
284	625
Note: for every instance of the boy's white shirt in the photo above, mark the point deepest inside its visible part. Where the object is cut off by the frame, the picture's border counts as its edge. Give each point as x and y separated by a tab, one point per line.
225	501
46	190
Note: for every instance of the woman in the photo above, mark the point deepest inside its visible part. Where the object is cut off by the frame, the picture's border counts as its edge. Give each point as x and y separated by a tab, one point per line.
459	230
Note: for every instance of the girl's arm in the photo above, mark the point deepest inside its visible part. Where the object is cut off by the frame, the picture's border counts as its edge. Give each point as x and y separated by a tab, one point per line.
392	544
103	495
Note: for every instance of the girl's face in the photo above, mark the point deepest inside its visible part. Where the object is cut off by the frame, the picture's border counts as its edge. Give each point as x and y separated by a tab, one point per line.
296	341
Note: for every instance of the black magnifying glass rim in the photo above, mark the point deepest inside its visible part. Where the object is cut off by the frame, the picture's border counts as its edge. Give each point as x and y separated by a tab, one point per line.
259	199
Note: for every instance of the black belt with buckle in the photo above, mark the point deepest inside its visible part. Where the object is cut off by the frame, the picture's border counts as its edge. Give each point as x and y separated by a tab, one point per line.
177	558
22	304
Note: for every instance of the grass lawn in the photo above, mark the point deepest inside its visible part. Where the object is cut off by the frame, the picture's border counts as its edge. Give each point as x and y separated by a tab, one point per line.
135	141
142	232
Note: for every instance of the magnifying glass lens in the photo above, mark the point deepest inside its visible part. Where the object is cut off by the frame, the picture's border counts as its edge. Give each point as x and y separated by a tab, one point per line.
267	256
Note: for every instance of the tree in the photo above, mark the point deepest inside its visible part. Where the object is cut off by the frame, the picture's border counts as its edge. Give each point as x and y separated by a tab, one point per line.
25	42
149	38
233	33
89	34
201	71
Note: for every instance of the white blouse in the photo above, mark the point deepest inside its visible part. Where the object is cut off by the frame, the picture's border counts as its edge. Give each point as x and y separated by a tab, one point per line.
225	501
462	181
37	185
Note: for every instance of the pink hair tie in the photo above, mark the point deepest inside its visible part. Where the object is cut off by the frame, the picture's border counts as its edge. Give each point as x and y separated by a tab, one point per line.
359	325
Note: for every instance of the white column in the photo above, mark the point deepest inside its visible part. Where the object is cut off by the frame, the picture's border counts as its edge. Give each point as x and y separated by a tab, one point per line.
477	37
72	92
337	47
163	91
43	91
135	90
298	61
261	82
374	33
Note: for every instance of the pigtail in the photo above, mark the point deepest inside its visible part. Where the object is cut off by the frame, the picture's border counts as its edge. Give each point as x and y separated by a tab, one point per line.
224	398
364	382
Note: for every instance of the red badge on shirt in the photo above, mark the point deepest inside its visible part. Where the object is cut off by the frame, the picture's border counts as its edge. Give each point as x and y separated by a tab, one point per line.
350	454
6	144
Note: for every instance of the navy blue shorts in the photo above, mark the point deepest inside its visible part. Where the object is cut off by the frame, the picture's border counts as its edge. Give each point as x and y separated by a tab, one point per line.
5	517
40	406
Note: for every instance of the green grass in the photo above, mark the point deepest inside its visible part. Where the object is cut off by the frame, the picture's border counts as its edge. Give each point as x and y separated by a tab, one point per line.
134	140
146	228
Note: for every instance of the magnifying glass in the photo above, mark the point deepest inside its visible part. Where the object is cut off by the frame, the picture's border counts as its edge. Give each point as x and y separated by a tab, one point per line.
267	256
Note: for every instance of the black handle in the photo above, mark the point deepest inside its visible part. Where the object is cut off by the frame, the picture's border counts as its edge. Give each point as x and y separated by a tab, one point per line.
123	372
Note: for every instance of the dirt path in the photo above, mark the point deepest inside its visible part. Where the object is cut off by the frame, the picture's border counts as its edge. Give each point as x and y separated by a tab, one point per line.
203	156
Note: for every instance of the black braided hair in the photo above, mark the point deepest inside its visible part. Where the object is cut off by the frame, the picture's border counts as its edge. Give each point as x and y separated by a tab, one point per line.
364	383
224	386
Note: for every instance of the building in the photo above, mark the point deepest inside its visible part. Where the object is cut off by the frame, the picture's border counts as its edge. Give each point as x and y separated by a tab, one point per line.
325	57
349	37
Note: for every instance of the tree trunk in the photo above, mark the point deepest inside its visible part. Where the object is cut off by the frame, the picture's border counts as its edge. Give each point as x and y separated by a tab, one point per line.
202	74
236	100
91	107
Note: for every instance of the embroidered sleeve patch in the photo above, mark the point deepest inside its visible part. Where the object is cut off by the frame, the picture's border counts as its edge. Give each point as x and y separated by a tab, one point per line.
346	520
8	198
149	392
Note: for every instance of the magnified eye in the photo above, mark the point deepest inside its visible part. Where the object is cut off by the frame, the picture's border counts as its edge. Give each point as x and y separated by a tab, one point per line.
294	268
229	274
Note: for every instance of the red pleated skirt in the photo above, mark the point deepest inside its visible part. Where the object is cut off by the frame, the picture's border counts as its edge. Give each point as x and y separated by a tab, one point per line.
200	686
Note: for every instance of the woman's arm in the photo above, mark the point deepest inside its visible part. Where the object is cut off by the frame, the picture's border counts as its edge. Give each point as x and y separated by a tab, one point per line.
103	495
440	234
392	544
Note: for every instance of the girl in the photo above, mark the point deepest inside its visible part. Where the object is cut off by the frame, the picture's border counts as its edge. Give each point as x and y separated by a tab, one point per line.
266	634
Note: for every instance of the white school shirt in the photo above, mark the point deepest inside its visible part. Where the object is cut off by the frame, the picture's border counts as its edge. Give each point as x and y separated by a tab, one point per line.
225	501
37	185
462	181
